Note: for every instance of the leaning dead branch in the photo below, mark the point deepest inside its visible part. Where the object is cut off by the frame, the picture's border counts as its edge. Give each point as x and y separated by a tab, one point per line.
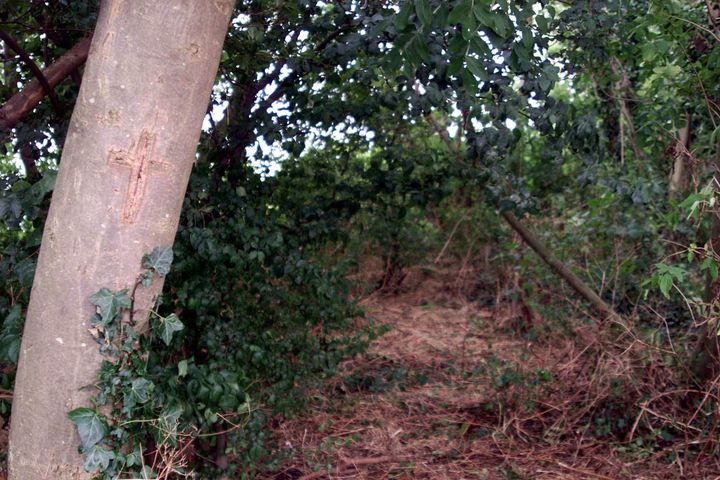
534	243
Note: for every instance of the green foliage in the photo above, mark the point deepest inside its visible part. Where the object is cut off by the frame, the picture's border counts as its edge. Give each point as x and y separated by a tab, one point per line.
342	93
665	275
136	409
514	386
109	304
22	212
159	260
165	327
269	347
10	335
91	426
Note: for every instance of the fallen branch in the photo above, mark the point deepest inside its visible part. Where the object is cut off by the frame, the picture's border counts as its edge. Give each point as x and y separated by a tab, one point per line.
22	103
583	290
586	473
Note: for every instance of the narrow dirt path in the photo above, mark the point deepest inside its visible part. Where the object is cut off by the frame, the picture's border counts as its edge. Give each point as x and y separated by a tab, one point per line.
418	405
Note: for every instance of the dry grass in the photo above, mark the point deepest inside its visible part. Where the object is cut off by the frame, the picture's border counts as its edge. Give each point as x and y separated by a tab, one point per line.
460	391
455	392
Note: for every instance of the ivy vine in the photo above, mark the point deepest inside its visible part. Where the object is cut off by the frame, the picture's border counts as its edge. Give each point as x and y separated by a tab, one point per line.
128	410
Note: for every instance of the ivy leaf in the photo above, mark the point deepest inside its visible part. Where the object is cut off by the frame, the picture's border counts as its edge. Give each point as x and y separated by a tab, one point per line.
171	415
424	11
141	389
159	260
10	209
146	279
91	426
10	347
134	458
10	334
98	458
168	423
108	303
182	368
167	327
42	187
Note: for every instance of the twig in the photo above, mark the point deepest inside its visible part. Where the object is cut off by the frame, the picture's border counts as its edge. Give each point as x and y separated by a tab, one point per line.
696	25
450	237
584	472
347	463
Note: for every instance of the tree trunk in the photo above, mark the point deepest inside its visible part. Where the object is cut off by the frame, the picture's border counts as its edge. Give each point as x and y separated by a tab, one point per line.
707	352
680	176
713	14
624	93
124	171
706	361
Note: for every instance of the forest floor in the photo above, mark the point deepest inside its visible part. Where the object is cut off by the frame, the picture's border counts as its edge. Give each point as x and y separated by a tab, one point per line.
453	391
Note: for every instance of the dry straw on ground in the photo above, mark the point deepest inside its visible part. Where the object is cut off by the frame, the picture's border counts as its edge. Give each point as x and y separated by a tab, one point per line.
455	391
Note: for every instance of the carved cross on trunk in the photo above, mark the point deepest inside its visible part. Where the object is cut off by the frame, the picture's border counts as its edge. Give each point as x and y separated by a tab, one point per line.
140	162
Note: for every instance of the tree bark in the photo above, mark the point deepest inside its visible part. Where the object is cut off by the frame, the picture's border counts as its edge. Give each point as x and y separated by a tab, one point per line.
125	167
680	176
22	103
713	13
624	93
706	361
707	351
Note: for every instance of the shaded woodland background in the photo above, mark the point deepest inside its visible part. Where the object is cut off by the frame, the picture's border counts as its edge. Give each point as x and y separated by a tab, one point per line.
349	240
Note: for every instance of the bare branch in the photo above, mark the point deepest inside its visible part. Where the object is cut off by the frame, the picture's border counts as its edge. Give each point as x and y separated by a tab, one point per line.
22	103
37	73
623	90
